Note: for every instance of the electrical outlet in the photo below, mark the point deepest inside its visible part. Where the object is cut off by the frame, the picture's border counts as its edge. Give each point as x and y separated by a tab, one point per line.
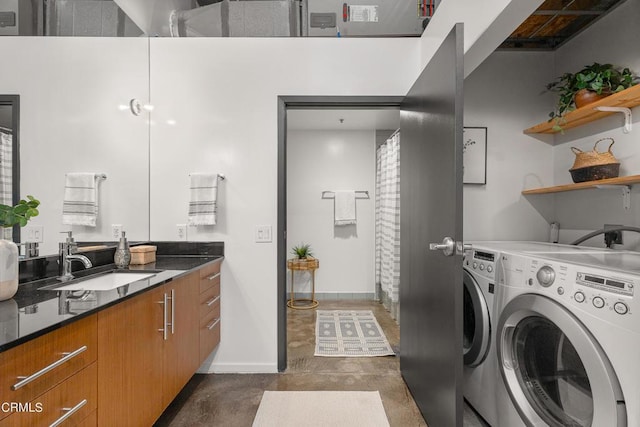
263	234
615	236
33	233
182	231
116	231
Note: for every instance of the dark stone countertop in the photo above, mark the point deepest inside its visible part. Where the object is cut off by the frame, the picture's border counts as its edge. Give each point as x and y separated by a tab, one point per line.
36	310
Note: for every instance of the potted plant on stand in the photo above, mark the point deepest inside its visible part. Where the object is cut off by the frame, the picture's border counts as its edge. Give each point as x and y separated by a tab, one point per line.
10	216
303	257
588	85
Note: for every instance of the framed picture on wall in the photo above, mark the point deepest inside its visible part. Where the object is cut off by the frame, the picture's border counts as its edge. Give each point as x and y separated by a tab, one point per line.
474	155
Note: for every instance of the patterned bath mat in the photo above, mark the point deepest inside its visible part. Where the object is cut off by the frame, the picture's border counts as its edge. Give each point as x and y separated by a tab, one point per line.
349	333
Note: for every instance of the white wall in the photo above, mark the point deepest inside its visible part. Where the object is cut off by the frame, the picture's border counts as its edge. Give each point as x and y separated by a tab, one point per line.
74	117
613	39
503	95
216	110
332	160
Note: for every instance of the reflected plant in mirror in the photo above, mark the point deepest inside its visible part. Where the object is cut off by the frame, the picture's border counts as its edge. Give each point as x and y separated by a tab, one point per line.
19	214
9	268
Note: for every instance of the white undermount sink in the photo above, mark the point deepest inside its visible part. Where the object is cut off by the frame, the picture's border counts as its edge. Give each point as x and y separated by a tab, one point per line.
104	282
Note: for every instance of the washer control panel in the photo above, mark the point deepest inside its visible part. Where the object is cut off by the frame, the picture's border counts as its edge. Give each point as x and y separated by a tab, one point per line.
604	283
605	293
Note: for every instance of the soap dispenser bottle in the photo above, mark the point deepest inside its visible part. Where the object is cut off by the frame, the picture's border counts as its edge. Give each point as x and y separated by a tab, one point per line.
122	257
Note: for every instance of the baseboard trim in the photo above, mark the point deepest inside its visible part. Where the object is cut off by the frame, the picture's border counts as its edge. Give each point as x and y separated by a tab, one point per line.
361	296
239	368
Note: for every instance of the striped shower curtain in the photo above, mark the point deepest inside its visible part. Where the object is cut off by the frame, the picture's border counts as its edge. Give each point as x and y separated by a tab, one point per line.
388	224
6	168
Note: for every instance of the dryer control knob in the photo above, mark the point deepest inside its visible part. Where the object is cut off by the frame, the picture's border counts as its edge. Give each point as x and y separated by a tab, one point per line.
481	266
489	269
546	276
579	296
475	265
598	302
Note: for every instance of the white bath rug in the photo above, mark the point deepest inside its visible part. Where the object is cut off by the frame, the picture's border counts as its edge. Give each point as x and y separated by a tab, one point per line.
320	409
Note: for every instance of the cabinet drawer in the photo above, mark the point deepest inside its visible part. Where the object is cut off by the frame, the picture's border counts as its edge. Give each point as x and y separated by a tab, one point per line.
210	297
209	281
47	360
209	338
77	396
209	314
210	269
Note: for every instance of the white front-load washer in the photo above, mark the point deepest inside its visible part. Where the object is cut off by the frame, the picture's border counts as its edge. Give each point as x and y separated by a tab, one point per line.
480	363
568	341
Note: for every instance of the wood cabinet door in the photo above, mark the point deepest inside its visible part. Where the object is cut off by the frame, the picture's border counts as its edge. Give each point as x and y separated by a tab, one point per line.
130	346
181	349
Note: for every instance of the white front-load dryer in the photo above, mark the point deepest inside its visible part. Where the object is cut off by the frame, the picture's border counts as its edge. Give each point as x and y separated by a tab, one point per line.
568	343
480	367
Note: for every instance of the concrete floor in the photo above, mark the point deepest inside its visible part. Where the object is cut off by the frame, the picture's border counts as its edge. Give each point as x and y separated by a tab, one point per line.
233	399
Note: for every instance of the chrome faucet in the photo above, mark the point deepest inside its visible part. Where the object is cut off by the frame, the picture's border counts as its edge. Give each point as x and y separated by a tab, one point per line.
67	255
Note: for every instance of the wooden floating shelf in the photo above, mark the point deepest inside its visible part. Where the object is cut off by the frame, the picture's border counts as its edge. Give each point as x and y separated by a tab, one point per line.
628	98
623	180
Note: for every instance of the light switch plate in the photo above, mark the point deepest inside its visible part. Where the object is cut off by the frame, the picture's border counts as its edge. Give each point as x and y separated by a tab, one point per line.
263	234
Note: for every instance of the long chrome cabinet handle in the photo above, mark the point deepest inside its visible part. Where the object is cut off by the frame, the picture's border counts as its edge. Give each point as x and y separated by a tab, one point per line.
213	301
213	325
173	310
164	317
213	277
68	412
67	356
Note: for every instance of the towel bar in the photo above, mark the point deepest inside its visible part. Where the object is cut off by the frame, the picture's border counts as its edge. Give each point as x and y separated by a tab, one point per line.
360	194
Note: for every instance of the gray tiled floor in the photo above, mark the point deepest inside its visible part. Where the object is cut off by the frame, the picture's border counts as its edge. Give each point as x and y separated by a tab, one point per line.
232	399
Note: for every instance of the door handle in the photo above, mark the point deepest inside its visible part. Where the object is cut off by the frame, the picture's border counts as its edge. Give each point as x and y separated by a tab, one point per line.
448	246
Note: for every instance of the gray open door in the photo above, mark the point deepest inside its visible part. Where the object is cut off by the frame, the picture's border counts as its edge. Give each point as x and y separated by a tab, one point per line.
431	354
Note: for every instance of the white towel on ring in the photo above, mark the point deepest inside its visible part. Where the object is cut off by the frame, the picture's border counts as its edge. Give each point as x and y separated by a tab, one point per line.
345	208
80	204
204	199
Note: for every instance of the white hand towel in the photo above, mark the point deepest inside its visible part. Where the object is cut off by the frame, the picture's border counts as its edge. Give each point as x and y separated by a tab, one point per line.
345	208
204	199
80	204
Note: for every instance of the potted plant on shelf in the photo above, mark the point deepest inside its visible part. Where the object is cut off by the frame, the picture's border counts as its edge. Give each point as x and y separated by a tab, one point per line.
302	251
588	85
10	216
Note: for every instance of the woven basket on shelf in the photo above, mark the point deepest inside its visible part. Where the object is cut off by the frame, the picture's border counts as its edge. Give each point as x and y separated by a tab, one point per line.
594	165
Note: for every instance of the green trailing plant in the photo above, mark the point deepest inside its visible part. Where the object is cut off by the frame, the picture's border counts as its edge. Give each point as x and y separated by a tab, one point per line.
598	78
19	214
302	251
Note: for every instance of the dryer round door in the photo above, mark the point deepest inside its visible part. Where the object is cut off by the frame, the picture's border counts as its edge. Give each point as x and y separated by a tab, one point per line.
476	322
555	371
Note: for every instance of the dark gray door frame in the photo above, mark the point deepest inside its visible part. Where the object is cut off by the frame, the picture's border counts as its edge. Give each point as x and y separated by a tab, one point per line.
304	102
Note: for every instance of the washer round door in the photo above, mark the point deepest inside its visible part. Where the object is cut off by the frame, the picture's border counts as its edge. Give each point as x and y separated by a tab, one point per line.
555	371
476	322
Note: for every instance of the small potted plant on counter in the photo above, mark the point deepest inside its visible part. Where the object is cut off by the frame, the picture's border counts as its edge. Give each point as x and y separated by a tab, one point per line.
10	216
588	85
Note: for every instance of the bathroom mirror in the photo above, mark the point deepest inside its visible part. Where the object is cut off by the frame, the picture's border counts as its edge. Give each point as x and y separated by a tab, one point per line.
75	116
10	153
